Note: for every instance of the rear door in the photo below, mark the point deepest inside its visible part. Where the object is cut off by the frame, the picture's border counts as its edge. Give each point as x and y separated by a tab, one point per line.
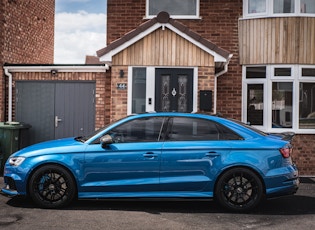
191	155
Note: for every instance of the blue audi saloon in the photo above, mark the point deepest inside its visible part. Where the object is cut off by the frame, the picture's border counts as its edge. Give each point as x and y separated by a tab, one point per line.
157	155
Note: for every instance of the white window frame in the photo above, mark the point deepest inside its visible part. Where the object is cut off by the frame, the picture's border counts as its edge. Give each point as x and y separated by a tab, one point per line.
197	16
296	78
245	10
269	11
150	87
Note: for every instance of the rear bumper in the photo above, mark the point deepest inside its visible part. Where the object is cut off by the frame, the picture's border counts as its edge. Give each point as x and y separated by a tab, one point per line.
290	187
282	181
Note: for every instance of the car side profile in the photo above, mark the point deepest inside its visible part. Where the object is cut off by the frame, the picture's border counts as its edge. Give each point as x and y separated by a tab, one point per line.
157	155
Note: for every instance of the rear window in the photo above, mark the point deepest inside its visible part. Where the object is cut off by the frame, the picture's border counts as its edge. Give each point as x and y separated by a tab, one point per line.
249	127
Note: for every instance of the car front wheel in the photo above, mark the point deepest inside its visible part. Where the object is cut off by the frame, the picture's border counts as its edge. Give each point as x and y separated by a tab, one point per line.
51	186
239	189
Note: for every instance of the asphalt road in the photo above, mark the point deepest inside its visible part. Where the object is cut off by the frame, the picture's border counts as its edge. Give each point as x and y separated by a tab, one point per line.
292	212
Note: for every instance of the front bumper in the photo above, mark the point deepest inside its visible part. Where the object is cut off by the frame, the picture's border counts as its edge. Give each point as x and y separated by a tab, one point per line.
9	188
14	181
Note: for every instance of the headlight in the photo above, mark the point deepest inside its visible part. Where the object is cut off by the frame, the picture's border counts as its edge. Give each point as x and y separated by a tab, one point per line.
16	161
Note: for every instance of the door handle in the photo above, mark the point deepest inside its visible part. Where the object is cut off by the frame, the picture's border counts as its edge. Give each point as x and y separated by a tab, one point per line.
174	92
149	155
212	154
57	120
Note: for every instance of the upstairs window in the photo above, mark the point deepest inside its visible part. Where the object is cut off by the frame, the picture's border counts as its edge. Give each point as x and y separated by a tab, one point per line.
281	8
256	7
182	9
307	6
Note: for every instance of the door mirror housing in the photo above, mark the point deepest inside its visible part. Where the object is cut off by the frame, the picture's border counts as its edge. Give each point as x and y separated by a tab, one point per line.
106	140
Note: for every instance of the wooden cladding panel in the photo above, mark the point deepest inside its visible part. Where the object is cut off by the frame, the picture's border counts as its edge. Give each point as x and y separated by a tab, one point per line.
289	40
163	48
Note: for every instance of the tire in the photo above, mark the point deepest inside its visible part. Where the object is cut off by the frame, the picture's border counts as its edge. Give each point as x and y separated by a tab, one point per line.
239	189
52	186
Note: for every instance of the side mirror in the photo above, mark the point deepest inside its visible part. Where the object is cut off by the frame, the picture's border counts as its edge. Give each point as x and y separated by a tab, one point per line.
106	140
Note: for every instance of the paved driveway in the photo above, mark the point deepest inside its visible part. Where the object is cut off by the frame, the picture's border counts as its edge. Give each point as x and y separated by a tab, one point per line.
292	212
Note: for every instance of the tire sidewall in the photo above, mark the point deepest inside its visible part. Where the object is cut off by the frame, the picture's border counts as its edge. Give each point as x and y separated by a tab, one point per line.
65	200
222	200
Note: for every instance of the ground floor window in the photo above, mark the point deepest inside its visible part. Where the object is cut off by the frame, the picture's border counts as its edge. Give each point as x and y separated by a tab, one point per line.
139	90
279	98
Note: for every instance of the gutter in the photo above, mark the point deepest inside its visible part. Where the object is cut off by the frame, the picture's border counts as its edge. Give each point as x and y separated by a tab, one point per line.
9	75
58	68
215	96
8	70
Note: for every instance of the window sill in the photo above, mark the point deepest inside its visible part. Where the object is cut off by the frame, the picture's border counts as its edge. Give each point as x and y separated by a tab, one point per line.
177	17
277	16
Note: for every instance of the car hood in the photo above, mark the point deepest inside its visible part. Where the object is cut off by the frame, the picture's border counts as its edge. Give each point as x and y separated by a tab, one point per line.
66	145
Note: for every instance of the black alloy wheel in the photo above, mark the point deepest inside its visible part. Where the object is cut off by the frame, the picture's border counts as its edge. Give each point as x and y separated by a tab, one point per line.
52	186
239	189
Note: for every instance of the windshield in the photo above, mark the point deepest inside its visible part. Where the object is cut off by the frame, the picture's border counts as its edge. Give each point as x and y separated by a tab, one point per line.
85	138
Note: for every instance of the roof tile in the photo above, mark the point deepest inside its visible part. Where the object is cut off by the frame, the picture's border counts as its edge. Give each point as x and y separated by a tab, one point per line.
162	18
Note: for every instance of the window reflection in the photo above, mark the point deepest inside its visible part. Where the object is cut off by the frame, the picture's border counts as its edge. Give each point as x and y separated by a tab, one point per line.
139	130
190	129
138	90
256	6
283	6
173	7
255	104
308	6
282	104
307	106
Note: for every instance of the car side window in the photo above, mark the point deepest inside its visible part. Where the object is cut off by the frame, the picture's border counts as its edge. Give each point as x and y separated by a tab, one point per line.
191	129
227	134
138	130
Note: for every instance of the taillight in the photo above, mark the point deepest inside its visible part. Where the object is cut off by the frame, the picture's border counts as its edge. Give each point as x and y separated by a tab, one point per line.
286	151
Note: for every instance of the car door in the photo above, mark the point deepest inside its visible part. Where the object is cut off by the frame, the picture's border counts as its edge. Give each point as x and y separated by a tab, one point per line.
191	155
130	165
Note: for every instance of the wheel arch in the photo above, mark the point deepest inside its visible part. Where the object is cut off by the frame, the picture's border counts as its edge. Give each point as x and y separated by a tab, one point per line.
239	166
51	163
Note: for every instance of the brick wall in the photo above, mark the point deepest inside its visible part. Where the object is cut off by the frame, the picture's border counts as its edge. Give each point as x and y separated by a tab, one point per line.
118	97
303	154
26	36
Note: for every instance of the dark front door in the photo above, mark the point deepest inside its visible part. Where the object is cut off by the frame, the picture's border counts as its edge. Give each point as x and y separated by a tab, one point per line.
174	90
56	109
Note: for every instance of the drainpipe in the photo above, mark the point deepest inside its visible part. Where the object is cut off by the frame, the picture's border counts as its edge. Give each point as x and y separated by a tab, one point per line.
215	83
9	75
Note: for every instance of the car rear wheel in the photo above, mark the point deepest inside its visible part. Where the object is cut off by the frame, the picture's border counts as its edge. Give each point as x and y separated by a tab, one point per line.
239	189
52	186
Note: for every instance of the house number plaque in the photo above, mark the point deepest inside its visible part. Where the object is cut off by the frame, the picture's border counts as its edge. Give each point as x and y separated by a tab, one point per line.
122	86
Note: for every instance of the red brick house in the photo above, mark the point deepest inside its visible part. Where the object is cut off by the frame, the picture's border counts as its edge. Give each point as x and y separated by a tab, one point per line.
252	60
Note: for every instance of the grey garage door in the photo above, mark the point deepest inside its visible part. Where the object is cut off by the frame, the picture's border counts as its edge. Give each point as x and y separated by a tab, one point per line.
56	109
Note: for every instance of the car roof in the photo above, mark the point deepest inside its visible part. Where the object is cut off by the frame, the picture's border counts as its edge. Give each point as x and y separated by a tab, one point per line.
235	126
